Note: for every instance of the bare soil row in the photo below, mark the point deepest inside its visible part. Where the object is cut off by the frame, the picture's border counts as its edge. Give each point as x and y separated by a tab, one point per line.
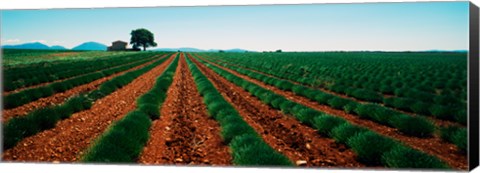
184	134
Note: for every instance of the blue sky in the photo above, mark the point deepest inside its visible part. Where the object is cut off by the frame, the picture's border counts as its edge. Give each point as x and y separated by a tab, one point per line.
320	27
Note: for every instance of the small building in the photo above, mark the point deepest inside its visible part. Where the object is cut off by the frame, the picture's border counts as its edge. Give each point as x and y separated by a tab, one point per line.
118	46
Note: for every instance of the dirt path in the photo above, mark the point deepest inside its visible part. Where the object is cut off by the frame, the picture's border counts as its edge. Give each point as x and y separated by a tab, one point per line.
436	121
434	146
61	97
284	133
60	80
70	137
184	134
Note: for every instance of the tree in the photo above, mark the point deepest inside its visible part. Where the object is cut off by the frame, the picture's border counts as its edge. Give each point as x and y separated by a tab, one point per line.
142	38
279	50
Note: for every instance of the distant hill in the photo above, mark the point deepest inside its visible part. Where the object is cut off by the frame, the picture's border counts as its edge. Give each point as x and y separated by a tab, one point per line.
57	47
35	45
189	49
90	46
237	50
457	51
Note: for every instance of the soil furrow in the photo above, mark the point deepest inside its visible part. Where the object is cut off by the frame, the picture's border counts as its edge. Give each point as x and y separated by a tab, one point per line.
436	121
434	145
184	134
60	80
70	137
61	97
300	143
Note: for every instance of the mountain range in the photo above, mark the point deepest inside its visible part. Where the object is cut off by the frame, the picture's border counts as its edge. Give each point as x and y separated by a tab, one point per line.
457	51
35	45
41	46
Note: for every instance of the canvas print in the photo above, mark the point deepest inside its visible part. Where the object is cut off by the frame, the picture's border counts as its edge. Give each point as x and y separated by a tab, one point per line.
348	86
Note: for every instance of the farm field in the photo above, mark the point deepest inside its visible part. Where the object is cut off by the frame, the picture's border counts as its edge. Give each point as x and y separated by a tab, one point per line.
19	57
306	109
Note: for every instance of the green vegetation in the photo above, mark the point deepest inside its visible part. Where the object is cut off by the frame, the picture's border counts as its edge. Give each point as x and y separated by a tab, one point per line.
413	126
320	97
325	124
420	107
338	102
370	146
343	132
351	106
365	94
460	139
253	152
123	141
400	157
442	112
150	109
142	38
455	135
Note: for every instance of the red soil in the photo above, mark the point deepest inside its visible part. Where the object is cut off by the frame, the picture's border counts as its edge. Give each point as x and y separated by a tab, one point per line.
185	134
69	139
284	133
434	145
61	97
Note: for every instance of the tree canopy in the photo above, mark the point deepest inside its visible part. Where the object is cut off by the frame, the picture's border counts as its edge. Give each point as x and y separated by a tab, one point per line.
142	38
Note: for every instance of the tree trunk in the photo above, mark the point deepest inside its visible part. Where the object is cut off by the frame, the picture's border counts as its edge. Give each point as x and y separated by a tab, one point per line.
144	47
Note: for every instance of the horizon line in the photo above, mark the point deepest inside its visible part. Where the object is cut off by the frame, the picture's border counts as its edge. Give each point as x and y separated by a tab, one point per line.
216	49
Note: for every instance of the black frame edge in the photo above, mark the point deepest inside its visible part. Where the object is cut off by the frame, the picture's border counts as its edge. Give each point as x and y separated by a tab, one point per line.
473	131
